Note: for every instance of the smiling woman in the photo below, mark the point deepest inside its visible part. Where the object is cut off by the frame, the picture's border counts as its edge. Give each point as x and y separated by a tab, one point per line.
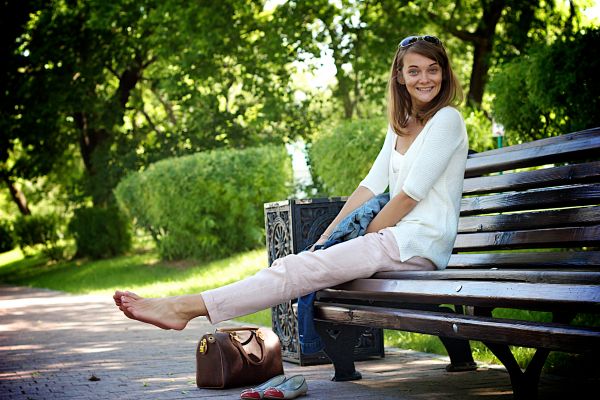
422	78
415	229
421	82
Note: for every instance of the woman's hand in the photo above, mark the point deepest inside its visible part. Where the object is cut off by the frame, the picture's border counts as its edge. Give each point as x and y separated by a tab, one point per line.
396	209
321	241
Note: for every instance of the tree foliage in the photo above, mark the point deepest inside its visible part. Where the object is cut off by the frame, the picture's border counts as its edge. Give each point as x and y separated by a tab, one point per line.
550	91
125	83
498	30
92	89
361	38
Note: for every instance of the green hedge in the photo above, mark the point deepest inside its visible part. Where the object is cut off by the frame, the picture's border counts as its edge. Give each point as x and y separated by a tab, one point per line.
31	230
40	231
100	232
207	205
342	157
7	239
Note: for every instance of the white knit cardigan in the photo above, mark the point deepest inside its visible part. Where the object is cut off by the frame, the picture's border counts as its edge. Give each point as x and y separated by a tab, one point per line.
431	172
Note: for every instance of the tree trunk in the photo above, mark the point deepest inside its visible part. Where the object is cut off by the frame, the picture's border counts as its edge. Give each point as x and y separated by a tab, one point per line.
344	86
479	70
344	92
94	138
483	42
17	195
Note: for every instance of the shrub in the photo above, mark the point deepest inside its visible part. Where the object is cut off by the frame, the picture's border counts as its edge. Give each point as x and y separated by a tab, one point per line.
33	231
100	232
207	205
479	130
342	157
551	90
7	240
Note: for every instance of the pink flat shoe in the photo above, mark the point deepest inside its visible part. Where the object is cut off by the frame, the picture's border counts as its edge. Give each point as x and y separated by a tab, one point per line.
258	392
293	387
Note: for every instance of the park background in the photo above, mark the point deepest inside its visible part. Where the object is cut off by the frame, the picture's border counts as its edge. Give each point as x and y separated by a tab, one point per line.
140	139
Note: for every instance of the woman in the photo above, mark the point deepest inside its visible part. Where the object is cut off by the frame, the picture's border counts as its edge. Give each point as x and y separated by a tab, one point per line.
422	161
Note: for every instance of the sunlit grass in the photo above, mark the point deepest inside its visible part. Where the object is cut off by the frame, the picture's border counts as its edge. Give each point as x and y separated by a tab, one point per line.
10	256
142	273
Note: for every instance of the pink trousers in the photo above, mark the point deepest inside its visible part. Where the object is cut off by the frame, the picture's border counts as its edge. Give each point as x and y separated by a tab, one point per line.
295	275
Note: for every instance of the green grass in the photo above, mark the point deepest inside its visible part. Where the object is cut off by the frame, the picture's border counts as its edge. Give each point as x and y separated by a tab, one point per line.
142	273
146	275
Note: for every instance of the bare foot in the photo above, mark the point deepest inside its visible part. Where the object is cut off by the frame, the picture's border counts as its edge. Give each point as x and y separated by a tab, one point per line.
118	294
117	298
165	313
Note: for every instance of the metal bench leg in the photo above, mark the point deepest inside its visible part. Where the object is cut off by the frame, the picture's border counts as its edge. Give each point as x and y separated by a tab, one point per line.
340	341
524	384
460	355
459	350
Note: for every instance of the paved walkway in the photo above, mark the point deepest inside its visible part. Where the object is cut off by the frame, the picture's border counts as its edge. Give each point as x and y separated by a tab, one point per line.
59	346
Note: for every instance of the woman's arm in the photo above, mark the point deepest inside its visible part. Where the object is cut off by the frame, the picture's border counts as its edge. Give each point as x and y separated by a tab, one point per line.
360	195
447	134
392	212
373	184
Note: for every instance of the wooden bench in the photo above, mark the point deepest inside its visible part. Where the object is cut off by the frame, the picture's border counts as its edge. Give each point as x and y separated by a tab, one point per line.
539	200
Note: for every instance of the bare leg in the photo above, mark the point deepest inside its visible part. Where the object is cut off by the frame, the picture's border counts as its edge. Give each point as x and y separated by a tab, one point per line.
166	313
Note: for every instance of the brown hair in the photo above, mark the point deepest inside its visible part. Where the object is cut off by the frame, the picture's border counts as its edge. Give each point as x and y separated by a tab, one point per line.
400	105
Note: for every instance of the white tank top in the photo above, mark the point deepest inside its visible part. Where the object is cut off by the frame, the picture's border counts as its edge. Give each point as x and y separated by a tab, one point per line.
396	162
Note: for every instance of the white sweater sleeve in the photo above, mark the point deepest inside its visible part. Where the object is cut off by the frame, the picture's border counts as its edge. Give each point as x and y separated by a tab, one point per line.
445	135
377	179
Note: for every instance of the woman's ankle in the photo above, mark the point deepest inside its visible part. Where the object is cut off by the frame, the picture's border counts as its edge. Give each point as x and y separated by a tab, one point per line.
190	306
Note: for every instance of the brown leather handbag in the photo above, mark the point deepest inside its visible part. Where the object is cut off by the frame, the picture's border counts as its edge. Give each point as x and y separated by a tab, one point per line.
240	356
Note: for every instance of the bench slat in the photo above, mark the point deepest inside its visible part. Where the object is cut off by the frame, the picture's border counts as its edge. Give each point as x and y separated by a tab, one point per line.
520	333
538	153
569	174
566	259
574	136
534	296
542	238
563	277
532	199
530	220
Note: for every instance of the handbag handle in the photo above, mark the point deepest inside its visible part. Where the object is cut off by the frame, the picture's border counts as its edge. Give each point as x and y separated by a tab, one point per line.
241	328
240	348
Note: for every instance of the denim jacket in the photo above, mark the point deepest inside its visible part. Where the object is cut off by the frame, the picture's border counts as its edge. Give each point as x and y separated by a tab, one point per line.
353	225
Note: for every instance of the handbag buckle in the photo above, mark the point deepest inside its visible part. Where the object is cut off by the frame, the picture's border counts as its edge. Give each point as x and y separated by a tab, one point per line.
260	335
203	346
235	336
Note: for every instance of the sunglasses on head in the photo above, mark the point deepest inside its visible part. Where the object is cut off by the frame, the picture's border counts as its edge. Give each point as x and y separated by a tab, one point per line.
410	40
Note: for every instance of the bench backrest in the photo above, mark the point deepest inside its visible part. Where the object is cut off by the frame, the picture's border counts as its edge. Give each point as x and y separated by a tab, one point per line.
528	236
541	198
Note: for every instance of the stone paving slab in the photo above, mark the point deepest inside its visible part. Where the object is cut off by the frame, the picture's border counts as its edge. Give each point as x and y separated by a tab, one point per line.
59	346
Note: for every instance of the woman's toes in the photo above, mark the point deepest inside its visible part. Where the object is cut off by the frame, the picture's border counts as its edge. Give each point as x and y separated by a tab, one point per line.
132	295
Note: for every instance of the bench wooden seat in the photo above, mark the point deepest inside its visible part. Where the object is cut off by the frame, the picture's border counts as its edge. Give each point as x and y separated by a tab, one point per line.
529	237
551	336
